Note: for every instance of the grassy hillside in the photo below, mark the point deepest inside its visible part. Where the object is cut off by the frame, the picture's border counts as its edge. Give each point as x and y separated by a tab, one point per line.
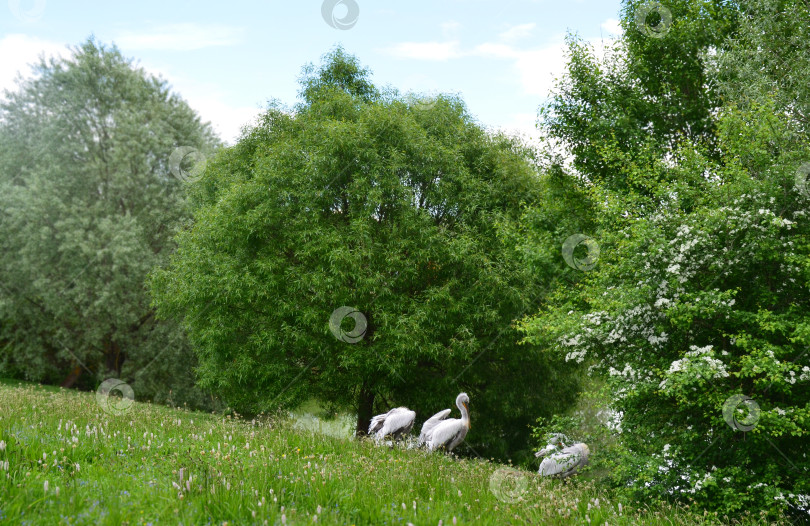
70	462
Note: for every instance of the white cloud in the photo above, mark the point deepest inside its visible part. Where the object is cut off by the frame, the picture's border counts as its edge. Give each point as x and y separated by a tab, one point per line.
426	50
450	30
517	32
536	68
612	26
226	119
523	124
180	37
19	51
210	102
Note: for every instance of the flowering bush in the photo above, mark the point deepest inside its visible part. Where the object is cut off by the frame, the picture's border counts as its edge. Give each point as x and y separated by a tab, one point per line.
698	316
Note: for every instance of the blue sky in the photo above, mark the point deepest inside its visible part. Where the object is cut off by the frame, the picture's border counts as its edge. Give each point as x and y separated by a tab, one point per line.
229	58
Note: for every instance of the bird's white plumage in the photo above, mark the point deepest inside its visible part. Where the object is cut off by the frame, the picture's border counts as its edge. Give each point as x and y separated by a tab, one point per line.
447	434
396	422
562	461
430	424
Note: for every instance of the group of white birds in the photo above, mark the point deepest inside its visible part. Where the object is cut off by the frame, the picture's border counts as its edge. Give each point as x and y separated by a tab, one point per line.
439	432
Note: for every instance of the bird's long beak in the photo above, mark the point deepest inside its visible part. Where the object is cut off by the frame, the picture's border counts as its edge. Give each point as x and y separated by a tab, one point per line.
469	424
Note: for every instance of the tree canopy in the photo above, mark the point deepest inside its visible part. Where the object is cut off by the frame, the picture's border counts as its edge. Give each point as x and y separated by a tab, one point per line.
697	312
87	207
400	211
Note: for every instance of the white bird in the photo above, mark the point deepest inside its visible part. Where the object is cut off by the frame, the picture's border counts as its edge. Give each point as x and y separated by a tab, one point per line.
430	423
447	434
562	460
396	422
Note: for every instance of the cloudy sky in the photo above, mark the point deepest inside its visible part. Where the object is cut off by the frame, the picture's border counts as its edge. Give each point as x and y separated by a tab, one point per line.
229	58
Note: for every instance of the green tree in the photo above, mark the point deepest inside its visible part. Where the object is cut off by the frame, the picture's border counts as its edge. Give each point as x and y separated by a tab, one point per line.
87	208
623	114
702	297
770	60
360	199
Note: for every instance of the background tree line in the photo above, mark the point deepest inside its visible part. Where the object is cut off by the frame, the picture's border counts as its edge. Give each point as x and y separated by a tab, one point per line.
680	156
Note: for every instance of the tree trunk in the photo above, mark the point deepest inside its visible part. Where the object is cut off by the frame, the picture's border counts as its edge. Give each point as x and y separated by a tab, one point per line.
74	375
365	410
113	358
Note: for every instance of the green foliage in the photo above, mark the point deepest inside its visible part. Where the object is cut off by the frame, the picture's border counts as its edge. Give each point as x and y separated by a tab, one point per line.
630	109
689	308
690	146
393	209
87	208
770	59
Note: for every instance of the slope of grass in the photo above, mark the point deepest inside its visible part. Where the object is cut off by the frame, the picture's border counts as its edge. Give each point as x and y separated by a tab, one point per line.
70	462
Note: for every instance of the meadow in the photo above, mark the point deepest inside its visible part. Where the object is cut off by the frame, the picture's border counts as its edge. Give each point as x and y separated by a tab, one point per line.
64	459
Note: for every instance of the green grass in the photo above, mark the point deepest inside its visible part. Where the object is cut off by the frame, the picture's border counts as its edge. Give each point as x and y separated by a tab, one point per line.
157	465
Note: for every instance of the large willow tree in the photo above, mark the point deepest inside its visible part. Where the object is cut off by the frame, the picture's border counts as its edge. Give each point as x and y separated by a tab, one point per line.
384	204
87	207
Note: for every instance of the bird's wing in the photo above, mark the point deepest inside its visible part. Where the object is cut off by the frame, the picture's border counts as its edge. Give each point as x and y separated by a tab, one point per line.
378	421
556	464
430	424
550	448
579	451
444	433
566	461
400	419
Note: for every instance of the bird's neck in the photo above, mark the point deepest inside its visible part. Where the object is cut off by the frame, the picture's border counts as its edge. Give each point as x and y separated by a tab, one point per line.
465	415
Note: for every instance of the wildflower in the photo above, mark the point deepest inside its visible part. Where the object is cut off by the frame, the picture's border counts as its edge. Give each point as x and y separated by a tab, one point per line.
2	445
46	486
